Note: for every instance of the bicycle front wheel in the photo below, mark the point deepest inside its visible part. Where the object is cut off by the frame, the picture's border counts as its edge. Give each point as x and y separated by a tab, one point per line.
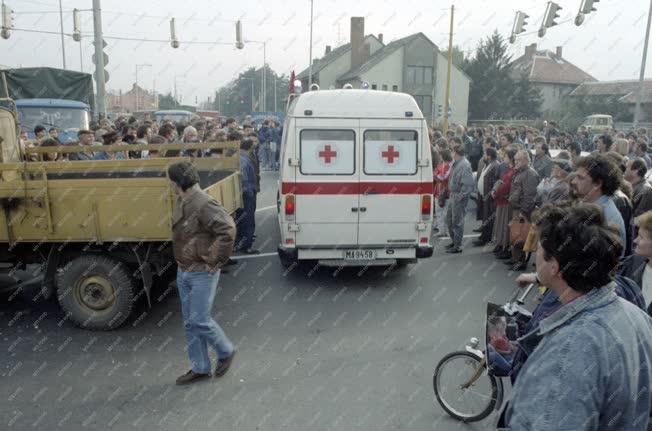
464	388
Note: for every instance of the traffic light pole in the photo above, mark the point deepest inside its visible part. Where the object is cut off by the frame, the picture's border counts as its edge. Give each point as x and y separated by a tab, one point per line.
63	45
641	78
448	72
100	101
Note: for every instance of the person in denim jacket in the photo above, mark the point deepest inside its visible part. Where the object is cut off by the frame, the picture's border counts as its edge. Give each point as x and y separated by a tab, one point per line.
591	367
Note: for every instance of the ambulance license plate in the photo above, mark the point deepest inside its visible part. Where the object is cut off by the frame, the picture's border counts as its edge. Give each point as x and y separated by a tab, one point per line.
359	254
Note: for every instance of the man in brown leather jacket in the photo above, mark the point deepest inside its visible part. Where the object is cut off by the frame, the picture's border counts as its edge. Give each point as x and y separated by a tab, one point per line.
203	234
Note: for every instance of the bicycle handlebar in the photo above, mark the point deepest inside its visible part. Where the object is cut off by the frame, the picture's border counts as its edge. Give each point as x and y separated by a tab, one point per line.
520	299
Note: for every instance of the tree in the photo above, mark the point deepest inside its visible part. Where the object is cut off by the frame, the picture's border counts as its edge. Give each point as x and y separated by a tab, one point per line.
525	100
235	98
459	58
491	85
167	101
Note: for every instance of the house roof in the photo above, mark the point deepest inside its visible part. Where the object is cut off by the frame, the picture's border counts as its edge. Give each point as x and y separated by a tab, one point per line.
626	91
320	63
385	52
379	56
546	66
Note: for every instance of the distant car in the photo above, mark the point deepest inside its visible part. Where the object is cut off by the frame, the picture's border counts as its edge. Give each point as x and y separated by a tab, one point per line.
174	115
598	123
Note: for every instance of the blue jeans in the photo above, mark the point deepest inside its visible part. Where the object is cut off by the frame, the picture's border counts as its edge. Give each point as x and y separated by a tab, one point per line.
265	155
197	291
501	365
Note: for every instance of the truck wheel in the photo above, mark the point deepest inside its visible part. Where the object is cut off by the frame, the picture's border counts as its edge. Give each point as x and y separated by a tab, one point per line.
96	292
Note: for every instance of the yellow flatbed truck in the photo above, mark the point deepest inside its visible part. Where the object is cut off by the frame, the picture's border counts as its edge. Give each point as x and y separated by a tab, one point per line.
99	229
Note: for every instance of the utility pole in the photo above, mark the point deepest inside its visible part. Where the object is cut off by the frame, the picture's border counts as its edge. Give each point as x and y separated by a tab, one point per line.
264	101
63	46
175	88
99	58
81	58
137	88
310	64
275	93
448	72
641	78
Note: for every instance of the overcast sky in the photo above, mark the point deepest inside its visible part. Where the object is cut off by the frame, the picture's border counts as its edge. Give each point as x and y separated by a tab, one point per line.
608	45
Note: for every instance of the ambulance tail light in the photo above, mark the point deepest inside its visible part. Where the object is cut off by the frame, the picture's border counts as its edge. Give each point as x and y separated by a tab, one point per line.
426	206
289	206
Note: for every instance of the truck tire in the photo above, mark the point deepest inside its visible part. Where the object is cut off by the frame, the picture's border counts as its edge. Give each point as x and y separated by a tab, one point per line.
96	292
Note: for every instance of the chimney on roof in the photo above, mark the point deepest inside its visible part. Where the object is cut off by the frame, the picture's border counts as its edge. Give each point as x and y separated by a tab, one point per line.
357	41
558	51
380	37
328	50
530	50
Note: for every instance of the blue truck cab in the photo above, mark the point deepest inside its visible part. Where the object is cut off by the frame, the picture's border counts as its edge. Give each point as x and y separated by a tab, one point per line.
68	116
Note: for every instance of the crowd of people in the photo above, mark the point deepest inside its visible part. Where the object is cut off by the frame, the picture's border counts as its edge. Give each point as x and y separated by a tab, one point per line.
259	150
516	174
586	214
148	131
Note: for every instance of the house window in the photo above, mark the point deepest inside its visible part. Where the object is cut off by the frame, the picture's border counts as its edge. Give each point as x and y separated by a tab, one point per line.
425	103
374	87
394	87
384	87
419	74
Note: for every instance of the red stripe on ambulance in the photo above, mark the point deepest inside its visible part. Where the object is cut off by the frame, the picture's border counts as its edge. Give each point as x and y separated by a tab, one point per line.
356	188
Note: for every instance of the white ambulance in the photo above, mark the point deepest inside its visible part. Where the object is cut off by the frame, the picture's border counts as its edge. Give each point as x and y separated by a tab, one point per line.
355	184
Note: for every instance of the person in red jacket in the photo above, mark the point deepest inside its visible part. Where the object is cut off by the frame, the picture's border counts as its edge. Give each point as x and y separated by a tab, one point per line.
500	194
440	176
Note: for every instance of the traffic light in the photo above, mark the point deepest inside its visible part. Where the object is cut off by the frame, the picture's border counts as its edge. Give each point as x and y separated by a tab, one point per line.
552	13
440	111
519	25
239	43
102	65
76	26
7	21
585	8
174	42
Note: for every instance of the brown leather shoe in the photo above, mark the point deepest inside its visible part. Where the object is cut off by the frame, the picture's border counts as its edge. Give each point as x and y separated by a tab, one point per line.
223	365
191	377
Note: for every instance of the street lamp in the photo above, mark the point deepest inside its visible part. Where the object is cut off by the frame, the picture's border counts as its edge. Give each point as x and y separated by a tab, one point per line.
137	90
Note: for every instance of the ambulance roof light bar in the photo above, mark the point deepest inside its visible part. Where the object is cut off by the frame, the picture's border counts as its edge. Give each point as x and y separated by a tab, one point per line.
347	86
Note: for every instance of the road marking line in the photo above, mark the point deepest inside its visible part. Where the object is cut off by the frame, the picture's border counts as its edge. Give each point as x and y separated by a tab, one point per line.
265	208
249	256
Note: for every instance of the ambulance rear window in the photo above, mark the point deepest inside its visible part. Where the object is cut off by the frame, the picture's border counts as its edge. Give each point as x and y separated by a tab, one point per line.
327	152
390	152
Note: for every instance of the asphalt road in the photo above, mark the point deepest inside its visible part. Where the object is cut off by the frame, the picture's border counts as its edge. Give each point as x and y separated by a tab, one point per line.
317	350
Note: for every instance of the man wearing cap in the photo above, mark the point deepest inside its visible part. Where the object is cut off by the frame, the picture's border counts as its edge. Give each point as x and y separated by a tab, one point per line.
561	169
85	139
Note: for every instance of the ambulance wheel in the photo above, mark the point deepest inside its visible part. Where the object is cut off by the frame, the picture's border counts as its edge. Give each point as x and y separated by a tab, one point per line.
288	261
96	292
